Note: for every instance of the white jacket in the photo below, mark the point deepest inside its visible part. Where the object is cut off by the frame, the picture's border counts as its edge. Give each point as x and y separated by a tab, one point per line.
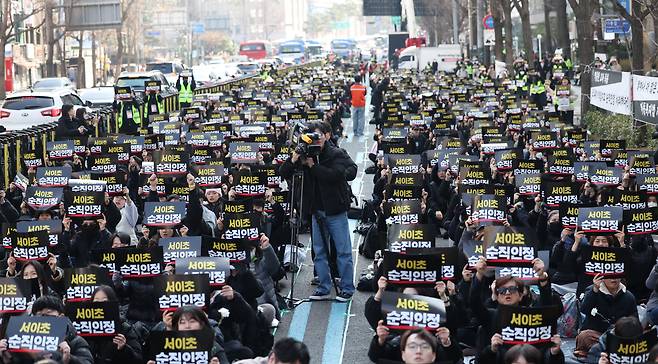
126	225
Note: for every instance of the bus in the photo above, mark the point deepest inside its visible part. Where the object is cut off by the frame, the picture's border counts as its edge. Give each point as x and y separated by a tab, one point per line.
255	49
343	48
293	52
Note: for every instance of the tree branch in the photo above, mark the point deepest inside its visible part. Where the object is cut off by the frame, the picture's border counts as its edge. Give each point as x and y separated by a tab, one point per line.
622	11
575	6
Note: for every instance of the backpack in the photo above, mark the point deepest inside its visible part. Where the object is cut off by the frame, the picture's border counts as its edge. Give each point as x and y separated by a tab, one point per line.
569	323
370	243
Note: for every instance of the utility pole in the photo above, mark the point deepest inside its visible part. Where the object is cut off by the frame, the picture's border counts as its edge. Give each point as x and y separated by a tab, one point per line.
455	21
479	15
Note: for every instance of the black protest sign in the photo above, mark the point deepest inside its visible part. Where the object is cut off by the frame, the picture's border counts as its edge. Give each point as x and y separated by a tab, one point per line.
84	204
217	269
528	184
404	191
60	150
628	200
33	334
250	184
608	262
15	294
208	176
30	246
170	162
103	164
180	247
185	347
528	325
95	319
179	188
410	236
641	164
622	350
528	166
53	227
159	214
568	213
545	140
457	161
488	209
53	176
606	147
556	193
32	159
107	258
139	263
40	198
584	169
641	221
244	152
607	176
600	220
114	183
508	246
403	312
407	179
474	173
404	163
271	172
413	269
402	212
235	251
394	148
178	290
648	183
242	227
84	184
560	166
119	151
136	143
505	158
81	282
161	188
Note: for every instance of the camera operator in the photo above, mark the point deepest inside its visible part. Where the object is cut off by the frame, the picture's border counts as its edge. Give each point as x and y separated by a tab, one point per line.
327	169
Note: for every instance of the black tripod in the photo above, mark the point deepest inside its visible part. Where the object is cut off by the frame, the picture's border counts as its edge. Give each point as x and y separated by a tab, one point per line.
295	208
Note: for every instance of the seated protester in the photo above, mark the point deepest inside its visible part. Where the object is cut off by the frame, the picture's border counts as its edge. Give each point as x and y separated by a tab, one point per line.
14	195
652	305
643	256
506	291
192	318
606	301
529	354
140	297
8	213
87	236
34	271
243	280
74	349
572	261
387	346
125	347
238	325
285	351
418	346
265	264
440	194
626	327
129	216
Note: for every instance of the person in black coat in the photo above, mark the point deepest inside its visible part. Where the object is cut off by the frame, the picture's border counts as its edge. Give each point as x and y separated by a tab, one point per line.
125	347
378	98
68	126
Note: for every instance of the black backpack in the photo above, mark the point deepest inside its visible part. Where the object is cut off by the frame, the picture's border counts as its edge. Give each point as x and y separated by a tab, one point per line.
371	243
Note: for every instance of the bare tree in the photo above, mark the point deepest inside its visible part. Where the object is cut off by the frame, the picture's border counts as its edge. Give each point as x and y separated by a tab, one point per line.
125	12
523	8
496	13
8	32
507	14
584	9
563	40
548	34
641	9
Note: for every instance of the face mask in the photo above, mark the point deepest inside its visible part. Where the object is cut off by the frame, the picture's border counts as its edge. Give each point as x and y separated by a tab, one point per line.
652	204
555	227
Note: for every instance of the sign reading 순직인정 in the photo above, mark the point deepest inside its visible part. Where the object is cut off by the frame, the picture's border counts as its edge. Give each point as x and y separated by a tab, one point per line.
606	262
217	269
184	347
403	312
32	334
528	325
94	318
622	350
178	290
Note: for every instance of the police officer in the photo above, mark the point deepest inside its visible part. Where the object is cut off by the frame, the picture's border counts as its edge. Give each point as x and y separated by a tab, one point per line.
128	113
185	86
537	91
153	101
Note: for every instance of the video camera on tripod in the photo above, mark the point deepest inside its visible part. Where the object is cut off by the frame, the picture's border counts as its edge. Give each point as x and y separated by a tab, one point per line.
305	142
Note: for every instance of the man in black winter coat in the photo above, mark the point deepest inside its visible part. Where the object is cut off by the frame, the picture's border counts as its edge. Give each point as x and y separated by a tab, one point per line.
327	198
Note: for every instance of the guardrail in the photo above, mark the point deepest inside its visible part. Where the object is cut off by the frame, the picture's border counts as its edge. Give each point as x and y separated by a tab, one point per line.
15	144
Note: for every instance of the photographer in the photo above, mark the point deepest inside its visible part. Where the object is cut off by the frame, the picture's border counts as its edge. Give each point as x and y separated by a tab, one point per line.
327	198
69	126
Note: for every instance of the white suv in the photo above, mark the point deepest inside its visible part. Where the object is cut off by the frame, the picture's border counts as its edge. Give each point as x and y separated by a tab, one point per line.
24	109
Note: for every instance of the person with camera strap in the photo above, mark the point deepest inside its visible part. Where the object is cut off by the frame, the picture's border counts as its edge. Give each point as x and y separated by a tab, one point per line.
326	170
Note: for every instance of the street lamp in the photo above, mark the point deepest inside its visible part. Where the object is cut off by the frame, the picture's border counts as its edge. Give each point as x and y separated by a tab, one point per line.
539	36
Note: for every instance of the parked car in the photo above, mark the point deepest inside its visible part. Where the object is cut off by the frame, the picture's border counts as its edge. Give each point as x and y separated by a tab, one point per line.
52	83
99	97
170	70
135	80
249	68
24	109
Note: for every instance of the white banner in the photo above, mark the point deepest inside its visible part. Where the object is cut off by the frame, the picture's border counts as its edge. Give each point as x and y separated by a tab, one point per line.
645	98
611	91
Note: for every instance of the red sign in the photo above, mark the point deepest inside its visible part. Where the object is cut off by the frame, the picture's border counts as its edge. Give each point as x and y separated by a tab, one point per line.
488	22
9	74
